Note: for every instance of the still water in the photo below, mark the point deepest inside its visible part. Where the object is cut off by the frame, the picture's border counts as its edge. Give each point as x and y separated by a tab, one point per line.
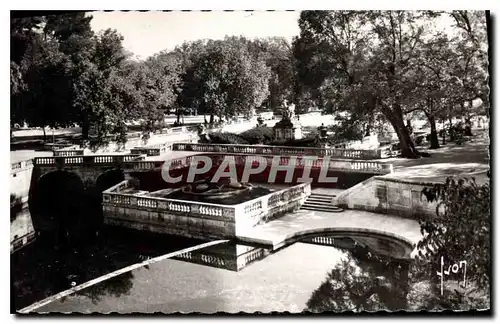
300	277
43	268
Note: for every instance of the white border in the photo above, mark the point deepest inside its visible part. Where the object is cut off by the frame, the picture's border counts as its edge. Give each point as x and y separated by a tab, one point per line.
213	5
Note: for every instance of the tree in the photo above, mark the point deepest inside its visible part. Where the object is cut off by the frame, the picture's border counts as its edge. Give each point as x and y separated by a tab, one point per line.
48	82
372	56
459	231
17	94
165	73
434	93
329	53
189	93
63	27
229	81
471	63
277	53
22	34
362	281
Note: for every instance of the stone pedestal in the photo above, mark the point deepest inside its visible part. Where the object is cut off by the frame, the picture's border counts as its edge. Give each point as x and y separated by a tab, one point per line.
287	129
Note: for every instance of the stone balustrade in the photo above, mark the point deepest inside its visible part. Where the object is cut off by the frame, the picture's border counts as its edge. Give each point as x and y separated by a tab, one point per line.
313	162
136	209
66	152
152	150
87	160
137	162
212	260
22	241
21	165
168	205
279	150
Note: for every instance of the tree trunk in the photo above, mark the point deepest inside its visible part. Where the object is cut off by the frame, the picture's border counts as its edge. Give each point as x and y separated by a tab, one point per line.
85	127
452	135
444	133
211	119
434	135
405	142
468	122
44	135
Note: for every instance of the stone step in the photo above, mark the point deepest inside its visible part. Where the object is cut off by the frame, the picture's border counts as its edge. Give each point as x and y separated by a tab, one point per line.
315	199
318	203
330	209
322	195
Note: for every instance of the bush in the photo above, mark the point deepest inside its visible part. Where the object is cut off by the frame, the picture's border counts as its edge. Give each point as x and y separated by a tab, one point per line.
348	129
419	140
461	230
304	142
258	135
226	138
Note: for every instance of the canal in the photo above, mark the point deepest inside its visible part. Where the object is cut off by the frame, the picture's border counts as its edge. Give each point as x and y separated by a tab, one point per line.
44	268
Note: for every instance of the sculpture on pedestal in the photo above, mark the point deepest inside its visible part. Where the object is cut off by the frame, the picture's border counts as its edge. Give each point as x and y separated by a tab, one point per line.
287	128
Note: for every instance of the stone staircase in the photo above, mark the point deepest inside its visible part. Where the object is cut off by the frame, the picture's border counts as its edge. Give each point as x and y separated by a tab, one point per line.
321	202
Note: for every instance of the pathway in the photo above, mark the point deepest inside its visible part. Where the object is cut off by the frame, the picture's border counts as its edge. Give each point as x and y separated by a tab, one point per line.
278	232
438	172
474	151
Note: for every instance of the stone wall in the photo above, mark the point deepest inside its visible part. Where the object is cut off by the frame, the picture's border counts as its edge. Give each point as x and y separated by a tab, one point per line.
388	196
20	179
195	219
186	225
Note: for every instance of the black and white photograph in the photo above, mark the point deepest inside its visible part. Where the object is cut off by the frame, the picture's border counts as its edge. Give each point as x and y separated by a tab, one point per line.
250	162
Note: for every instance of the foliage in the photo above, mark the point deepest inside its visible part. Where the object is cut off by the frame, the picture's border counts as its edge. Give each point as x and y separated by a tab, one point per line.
303	142
365	282
459	231
258	135
226	138
390	62
348	129
278	56
229	81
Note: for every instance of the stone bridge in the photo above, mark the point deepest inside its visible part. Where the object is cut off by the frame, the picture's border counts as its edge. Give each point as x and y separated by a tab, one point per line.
72	185
66	191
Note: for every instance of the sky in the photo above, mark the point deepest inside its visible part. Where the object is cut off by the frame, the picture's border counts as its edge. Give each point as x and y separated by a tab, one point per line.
147	33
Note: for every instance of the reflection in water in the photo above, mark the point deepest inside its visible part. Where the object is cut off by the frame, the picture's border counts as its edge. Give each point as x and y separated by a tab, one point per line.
40	270
117	286
362	281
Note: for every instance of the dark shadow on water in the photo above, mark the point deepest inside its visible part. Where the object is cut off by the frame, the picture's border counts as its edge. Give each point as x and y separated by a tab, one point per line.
117	286
43	269
362	281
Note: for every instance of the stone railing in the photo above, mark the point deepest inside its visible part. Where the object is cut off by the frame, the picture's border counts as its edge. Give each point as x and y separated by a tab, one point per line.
249	212
21	165
197	257
65	152
167	205
152	150
20	242
87	160
118	187
301	162
288	194
241	159
279	150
